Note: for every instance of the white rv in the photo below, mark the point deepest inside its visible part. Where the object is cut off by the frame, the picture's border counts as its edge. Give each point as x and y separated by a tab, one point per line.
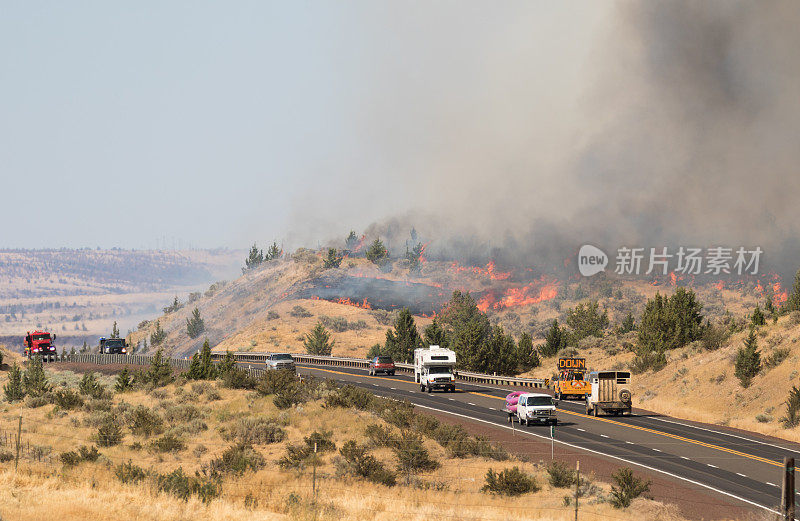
434	368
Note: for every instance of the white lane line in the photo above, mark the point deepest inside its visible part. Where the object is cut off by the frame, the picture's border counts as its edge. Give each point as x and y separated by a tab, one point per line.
472	404
740	474
630	443
392	388
684	457
771	484
603	436
452	399
492	408
630	462
582	430
710	465
375	385
656	450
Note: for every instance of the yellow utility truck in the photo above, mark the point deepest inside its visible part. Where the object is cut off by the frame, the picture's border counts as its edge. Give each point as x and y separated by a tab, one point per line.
571	380
611	393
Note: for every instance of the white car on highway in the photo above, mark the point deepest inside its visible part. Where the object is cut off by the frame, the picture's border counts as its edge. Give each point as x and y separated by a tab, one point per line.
532	408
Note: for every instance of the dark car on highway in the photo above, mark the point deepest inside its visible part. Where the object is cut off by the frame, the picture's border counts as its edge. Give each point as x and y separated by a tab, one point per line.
381	364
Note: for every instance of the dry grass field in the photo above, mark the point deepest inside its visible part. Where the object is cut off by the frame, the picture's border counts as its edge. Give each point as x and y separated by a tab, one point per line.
205	416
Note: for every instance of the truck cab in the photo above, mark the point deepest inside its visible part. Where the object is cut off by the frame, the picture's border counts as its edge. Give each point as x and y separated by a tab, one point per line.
40	343
611	393
434	368
282	361
532	408
113	346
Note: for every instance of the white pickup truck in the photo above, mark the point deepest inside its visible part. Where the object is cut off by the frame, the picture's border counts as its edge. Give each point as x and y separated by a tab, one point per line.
434	368
531	408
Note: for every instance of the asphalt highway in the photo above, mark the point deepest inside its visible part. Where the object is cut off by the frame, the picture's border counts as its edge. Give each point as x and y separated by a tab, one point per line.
739	466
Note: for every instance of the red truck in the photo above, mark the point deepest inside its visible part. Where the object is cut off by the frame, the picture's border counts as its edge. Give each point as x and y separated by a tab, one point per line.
40	343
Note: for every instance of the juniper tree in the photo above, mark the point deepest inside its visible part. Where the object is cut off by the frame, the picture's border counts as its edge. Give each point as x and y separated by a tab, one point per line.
586	320
628	324
124	381
527	357
377	252
468	329
114	330
160	372
13	389
34	379
273	252
404	339
351	241
435	335
158	336
333	260
254	258
227	365
318	341
554	340
414	257
195	325
748	360
202	366
792	418
793	303
758	319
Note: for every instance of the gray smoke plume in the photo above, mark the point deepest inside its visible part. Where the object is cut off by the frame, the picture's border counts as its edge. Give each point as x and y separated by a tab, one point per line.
684	129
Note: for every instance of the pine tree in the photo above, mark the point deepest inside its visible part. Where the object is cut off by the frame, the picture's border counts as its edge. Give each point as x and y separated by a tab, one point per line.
158	336
769	307
468	330
435	335
401	342
114	330
124	381
333	260
414	257
195	326
758	318
13	389
793	304
555	340
748	360
194	367
377	252
34	379
318	341
628	324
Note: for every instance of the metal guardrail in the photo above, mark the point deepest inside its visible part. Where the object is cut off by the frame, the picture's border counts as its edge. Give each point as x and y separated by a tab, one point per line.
302	358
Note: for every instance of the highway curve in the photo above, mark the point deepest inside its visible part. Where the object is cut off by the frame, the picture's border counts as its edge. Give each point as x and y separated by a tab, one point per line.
738	466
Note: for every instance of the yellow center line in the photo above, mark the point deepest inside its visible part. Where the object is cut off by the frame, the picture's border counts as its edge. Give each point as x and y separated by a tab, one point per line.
644	429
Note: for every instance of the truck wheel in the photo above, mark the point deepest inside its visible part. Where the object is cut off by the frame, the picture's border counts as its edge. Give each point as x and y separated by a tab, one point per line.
555	422
510	418
430	389
421	388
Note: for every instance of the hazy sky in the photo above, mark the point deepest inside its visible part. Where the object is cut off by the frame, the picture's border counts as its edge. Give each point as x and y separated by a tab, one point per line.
227	122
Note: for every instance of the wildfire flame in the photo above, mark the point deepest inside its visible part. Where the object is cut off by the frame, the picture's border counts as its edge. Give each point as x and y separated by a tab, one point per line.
532	293
489	271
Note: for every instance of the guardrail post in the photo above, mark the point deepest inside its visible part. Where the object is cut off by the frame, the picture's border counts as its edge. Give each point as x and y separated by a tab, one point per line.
787	499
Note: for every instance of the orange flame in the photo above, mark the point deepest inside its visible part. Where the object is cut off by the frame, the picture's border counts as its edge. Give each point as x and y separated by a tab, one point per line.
488	271
532	293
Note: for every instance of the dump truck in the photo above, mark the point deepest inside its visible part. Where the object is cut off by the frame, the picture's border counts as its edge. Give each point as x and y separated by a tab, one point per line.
40	343
611	393
571	381
434	368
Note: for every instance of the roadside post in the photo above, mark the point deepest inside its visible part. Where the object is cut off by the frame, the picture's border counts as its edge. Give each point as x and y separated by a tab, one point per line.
552	441
787	496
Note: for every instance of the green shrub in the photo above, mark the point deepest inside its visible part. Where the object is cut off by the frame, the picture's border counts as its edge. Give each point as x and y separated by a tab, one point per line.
144	422
167	443
238	459
84	453
351	397
509	482
318	341
89	386
273	382
238	378
627	488
258	431
412	456
357	461
290	396
34	380
380	435
181	413
560	475
182	486
748	360
323	441
777	357
109	433
300	312
14	389
124	381
297	456
648	361
129	473
5	456
67	399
